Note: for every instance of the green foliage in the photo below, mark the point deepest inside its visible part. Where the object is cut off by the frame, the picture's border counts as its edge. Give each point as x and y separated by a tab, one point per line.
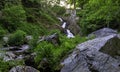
2	32
17	38
33	29
54	54
13	16
44	51
33	43
47	17
6	66
3	66
59	10
52	31
100	13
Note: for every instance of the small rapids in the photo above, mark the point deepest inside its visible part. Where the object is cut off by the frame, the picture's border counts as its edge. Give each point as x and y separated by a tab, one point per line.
68	32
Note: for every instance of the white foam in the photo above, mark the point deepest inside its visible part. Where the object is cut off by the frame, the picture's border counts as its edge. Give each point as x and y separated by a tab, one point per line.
60	19
69	34
64	25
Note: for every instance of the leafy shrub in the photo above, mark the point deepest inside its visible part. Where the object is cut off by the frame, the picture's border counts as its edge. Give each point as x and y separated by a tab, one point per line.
98	14
33	29
13	16
2	32
59	10
17	38
44	50
6	66
52	31
54	54
47	18
3	66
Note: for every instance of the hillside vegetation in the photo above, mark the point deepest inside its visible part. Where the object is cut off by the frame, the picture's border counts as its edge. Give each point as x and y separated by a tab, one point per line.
38	18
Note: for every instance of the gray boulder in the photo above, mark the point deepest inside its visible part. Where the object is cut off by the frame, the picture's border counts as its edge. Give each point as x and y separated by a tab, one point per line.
54	39
73	26
102	32
23	69
97	55
7	56
72	23
14	53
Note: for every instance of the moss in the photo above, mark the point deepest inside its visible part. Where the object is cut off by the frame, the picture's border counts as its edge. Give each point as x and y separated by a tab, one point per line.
112	47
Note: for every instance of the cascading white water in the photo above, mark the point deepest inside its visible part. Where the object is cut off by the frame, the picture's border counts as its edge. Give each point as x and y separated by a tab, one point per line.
64	25
69	34
60	19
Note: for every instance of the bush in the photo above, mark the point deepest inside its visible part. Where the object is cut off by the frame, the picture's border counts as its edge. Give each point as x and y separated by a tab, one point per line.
54	54
2	32
47	18
33	29
98	14
6	66
13	16
17	38
59	10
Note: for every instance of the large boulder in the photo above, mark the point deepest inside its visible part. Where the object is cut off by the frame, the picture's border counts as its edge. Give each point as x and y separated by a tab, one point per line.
23	69
102	32
97	55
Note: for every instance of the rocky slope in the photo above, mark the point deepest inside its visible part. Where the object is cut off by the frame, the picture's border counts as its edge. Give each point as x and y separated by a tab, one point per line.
96	55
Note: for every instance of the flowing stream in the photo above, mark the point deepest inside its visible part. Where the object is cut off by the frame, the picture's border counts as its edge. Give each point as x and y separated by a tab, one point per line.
64	24
69	34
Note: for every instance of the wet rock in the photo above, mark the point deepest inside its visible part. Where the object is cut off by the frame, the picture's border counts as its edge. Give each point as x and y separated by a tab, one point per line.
5	41
17	49
60	19
94	56
44	64
22	49
29	60
29	37
72	23
54	39
102	32
7	56
23	69
14	53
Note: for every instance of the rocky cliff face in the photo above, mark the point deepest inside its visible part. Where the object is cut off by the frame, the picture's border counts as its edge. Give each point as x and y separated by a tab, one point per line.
98	55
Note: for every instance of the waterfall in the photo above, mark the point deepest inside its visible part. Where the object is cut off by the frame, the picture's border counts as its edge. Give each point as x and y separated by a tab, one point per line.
64	25
69	34
60	19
